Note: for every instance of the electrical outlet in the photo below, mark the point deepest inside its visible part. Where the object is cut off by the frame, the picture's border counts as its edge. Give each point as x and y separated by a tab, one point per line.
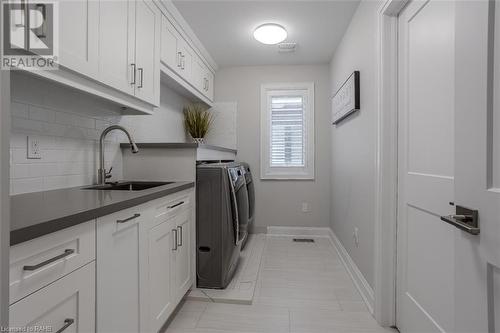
306	207
34	150
356	236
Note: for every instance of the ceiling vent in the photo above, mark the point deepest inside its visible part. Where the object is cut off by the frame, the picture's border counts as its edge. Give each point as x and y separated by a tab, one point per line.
287	47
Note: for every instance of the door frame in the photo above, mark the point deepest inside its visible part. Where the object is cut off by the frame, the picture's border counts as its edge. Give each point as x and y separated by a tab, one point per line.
4	195
386	178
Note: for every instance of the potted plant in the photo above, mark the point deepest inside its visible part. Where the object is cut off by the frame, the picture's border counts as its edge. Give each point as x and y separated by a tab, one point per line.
197	121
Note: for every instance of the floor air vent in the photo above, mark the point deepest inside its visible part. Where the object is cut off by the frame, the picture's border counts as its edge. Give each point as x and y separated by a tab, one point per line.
303	240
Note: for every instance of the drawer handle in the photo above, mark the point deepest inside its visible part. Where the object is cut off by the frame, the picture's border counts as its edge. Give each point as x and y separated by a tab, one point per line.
128	219
176	205
180	235
66	253
67	323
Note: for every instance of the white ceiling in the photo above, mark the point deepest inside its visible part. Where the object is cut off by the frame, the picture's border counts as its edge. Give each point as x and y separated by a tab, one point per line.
226	29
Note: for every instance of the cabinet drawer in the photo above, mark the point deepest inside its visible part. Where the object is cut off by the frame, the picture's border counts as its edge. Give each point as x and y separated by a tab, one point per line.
67	305
170	206
38	262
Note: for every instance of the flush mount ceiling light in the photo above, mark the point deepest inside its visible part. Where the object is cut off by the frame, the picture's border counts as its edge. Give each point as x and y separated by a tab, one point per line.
270	33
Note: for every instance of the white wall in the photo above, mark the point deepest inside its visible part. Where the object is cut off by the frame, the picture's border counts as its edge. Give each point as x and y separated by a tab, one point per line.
353	141
166	124
279	203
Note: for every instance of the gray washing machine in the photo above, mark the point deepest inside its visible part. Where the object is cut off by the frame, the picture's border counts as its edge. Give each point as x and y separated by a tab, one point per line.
221	206
251	200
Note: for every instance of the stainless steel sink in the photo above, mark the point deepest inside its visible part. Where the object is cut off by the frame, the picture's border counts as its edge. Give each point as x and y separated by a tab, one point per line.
127	186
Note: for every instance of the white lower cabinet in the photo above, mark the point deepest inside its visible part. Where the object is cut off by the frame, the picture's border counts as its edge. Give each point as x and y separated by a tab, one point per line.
143	267
182	255
121	271
143	264
67	305
169	261
161	298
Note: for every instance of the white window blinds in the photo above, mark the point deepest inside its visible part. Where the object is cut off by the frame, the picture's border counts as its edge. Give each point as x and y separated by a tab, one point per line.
287	131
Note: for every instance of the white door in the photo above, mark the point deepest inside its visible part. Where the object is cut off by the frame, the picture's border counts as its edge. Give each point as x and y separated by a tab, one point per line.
121	271
426	245
79	36
147	51
117	67
449	155
169	37
477	164
182	254
161	297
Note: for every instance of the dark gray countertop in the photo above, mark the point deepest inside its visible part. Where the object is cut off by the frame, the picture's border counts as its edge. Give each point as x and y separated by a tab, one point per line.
40	213
178	145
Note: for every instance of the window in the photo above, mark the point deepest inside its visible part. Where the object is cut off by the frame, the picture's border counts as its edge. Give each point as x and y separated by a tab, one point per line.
287	131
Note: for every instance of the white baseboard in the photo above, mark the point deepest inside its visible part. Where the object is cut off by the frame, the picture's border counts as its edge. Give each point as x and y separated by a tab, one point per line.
359	280
298	231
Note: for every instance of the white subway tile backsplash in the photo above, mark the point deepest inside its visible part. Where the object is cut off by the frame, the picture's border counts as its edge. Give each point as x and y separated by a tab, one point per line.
26	125
26	185
68	125
19	110
41	114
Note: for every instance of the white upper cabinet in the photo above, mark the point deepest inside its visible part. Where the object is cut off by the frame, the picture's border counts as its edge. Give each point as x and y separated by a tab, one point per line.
79	33
175	52
147	51
181	58
114	49
116	44
203	78
129	47
169	37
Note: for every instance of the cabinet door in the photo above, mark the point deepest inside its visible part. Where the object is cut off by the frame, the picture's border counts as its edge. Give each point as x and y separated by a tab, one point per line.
79	36
182	256
161	298
169	36
198	75
186	60
209	90
147	51
121	271
116	44
67	304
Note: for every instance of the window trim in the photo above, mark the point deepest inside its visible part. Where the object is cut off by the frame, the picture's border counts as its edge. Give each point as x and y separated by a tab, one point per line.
283	173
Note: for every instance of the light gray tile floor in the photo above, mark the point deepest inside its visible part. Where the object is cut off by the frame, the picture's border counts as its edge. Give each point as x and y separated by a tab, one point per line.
301	288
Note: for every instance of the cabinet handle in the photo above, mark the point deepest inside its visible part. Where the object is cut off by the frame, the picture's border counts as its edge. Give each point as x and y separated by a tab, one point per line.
128	219
175	239
141	70
67	323
179	56
180	235
176	205
183	62
208	84
66	253
133	73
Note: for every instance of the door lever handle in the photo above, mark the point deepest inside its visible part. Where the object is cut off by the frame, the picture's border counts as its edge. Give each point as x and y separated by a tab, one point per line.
465	219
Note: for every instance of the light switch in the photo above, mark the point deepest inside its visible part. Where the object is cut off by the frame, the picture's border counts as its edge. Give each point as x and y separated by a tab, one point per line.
34	150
